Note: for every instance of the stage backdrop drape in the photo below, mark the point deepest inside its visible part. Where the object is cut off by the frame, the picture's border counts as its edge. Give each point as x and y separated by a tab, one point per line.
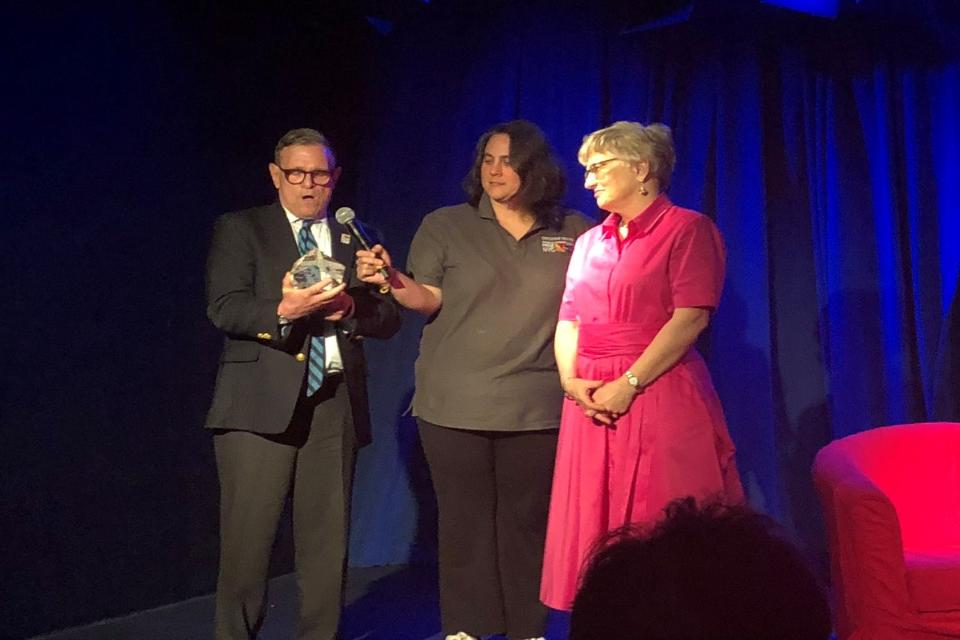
829	159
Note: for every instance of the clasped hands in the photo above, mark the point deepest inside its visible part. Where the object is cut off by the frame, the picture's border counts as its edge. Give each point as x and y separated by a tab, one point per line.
602	401
334	303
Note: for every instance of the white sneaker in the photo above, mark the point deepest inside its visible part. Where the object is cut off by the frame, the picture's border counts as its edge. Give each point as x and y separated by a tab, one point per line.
462	635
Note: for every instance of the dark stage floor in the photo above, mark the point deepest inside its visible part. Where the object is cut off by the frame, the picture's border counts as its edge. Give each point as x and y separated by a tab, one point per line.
383	603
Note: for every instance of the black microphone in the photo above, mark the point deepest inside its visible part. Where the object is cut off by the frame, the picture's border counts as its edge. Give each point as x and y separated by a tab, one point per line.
346	217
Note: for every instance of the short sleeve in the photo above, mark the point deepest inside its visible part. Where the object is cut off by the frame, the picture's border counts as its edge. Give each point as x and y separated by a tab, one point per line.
425	262
697	265
568	304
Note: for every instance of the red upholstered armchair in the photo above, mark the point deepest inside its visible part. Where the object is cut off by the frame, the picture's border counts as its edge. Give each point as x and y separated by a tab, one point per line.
891	498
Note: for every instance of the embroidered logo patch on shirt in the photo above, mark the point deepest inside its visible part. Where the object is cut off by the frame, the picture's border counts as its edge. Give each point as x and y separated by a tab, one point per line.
556	244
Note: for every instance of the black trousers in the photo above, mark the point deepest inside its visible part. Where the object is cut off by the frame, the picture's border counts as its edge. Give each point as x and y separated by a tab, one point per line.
493	494
313	463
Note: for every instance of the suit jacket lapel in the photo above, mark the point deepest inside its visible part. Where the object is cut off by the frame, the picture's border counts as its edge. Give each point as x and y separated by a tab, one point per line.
286	251
343	252
280	237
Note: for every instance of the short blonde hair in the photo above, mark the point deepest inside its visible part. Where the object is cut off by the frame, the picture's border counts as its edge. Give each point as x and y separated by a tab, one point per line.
635	142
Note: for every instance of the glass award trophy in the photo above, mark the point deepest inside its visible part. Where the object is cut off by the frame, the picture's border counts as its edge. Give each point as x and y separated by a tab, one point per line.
314	266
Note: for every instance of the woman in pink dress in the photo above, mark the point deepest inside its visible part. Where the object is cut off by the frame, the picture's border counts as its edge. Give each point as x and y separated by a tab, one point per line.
642	424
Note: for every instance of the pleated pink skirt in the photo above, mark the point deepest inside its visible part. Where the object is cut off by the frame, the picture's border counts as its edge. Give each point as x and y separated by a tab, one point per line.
673	442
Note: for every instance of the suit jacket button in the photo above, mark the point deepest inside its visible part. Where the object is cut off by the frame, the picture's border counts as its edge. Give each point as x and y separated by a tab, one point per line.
300	357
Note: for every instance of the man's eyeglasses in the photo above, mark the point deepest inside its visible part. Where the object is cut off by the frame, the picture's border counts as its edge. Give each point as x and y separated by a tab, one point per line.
593	168
319	177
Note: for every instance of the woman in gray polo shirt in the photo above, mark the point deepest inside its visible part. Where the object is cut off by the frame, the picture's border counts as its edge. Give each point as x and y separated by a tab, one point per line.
489	274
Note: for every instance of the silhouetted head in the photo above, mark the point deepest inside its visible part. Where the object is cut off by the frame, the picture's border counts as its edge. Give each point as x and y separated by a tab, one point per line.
703	573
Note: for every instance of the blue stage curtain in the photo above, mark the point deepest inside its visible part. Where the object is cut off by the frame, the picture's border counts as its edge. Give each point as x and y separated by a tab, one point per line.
834	175
947	392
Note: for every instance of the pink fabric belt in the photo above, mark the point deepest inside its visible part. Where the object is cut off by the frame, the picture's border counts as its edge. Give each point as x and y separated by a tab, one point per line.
605	340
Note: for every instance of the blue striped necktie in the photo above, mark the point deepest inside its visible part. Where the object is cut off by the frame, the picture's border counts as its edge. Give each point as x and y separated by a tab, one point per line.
317	358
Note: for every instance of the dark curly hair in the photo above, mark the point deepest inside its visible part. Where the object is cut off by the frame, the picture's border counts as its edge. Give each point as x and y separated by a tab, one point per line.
706	572
541	179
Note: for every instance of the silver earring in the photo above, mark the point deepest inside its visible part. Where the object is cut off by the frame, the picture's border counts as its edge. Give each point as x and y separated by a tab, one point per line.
643	189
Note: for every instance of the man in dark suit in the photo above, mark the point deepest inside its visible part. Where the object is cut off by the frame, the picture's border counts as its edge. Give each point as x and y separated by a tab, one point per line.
290	405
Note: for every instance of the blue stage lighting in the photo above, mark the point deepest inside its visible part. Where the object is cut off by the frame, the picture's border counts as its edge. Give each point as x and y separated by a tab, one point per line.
823	8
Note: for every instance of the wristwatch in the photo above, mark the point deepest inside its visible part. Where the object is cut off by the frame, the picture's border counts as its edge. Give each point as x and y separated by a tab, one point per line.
632	380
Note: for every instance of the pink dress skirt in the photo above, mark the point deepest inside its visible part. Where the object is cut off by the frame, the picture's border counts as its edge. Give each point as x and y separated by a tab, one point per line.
672	442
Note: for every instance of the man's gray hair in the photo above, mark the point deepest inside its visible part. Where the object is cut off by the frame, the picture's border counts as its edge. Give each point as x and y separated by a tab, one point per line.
303	136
